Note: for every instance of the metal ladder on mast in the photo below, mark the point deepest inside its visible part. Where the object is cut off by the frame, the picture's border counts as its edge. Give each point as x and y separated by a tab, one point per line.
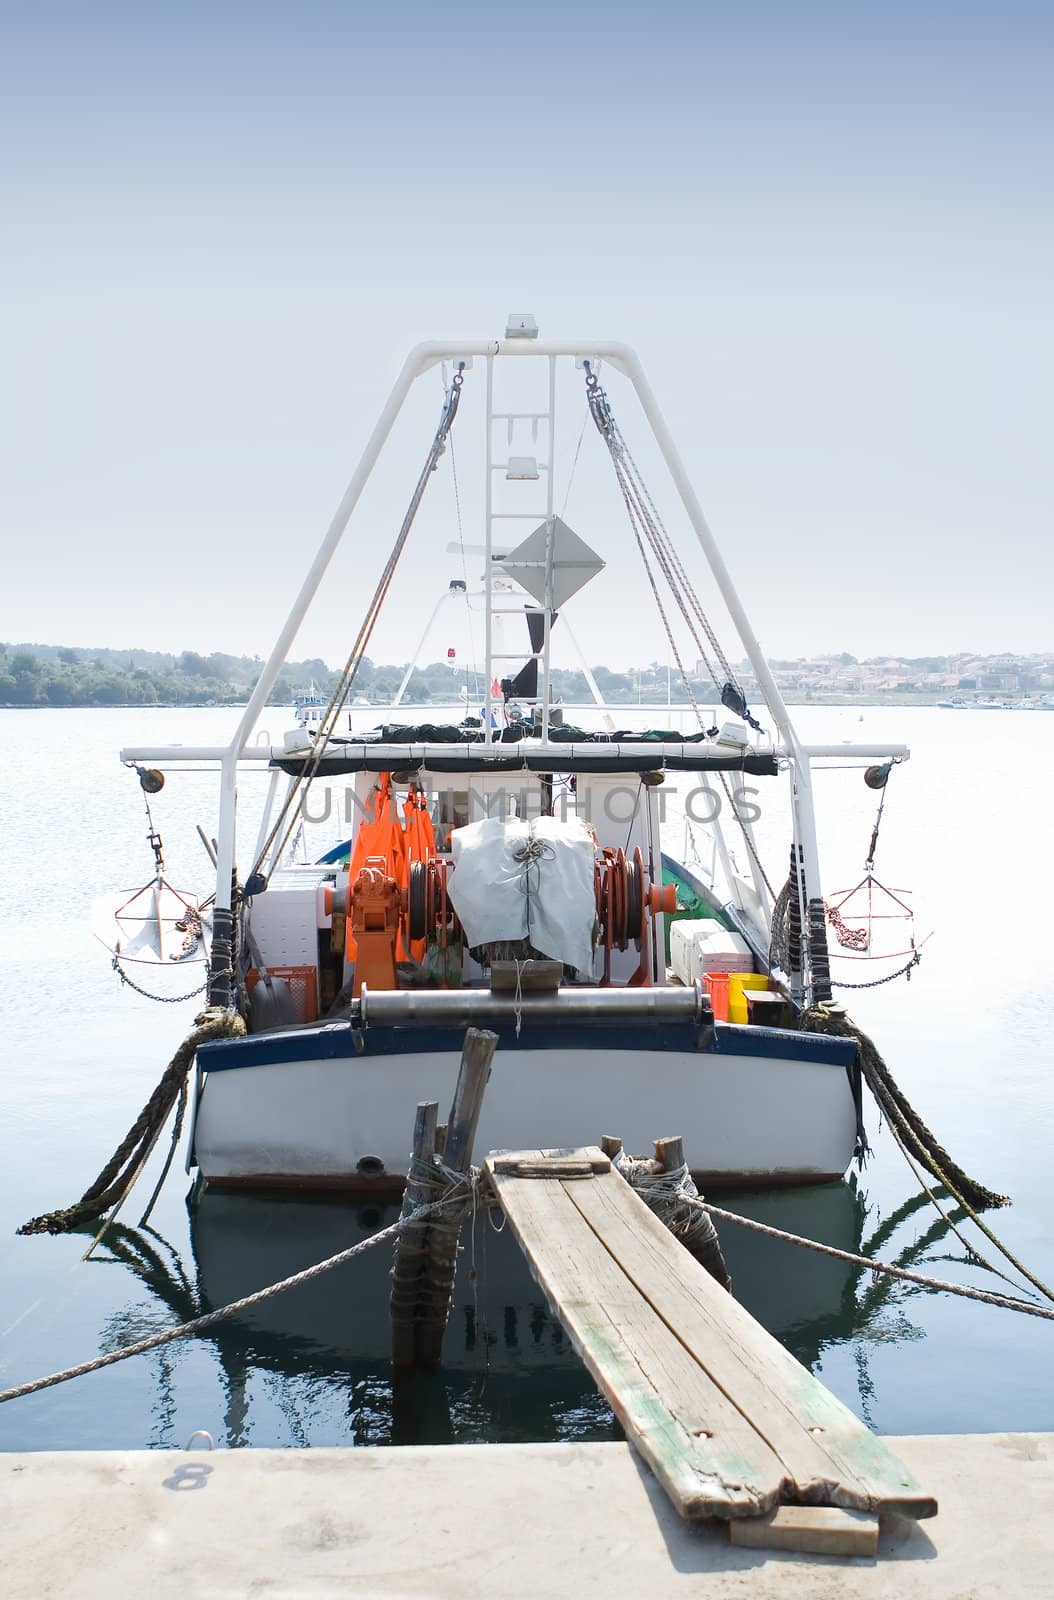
543	468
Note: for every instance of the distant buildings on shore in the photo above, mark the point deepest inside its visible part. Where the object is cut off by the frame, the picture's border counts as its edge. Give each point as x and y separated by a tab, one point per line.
958	675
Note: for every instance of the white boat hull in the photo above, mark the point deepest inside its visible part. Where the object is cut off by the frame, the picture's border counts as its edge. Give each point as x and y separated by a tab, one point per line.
751	1119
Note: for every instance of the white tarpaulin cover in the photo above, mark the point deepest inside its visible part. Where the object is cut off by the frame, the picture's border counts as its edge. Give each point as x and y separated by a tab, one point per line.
527	880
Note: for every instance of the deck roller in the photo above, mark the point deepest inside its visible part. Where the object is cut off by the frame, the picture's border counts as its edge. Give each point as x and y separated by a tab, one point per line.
481	1007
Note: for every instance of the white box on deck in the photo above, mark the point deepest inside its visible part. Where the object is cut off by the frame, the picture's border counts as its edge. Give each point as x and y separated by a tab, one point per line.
285	919
686	936
726	952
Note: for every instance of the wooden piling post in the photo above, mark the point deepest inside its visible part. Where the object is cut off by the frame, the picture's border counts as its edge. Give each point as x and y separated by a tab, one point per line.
410	1246
669	1154
476	1057
426	1254
690	1224
440	1263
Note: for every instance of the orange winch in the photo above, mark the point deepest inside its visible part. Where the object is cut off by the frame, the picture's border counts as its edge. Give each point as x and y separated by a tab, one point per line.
375	906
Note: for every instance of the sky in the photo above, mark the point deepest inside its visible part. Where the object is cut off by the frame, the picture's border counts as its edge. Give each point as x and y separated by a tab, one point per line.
827	230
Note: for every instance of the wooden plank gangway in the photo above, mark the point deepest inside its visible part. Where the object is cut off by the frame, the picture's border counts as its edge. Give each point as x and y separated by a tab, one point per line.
732	1425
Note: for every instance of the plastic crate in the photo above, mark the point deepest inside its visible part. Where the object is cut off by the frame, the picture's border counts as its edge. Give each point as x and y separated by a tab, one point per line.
303	987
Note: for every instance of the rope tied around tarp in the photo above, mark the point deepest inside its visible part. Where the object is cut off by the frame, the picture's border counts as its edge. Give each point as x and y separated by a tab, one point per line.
528	856
120	1172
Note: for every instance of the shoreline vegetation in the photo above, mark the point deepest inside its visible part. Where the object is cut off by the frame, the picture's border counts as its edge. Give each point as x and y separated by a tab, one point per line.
35	676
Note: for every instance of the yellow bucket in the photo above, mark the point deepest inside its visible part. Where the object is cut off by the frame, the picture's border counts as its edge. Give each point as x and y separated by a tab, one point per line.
738	984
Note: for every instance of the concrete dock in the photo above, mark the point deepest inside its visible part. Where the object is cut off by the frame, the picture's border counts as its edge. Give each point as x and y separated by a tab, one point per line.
494	1521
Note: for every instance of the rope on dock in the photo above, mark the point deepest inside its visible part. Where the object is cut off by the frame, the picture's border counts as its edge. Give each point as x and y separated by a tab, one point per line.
120	1172
186	1330
1008	1302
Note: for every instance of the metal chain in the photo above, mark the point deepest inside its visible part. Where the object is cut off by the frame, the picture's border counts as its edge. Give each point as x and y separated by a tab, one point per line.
849	938
878	982
162	999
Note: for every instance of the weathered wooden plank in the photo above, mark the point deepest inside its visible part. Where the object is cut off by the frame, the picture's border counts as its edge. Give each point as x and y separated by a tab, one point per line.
705	1453
818	1530
576	1164
526	977
829	1455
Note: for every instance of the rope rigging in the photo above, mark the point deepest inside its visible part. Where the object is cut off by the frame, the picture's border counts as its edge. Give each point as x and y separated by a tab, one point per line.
649	528
464	573
903	1120
199	1325
350	672
646	520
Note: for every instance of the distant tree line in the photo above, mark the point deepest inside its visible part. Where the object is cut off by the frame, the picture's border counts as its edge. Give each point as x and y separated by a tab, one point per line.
57	675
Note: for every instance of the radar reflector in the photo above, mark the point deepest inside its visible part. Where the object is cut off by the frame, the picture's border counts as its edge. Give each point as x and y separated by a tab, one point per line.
556	548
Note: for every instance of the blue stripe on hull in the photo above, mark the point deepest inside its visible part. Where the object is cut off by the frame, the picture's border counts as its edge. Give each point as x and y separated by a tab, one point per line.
335	1041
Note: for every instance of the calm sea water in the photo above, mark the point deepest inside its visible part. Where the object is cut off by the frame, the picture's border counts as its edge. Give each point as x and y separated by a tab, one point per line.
967	828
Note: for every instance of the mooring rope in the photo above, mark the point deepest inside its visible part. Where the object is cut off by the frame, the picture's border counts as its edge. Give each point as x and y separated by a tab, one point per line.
425	1258
914	1137
949	1221
198	1325
186	1330
120	1172
1008	1302
900	1113
672	1196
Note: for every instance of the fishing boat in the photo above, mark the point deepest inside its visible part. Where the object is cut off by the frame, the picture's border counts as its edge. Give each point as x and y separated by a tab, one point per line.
509	870
309	708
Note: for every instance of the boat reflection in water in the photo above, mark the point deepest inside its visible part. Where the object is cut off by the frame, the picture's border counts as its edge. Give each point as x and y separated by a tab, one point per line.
509	1371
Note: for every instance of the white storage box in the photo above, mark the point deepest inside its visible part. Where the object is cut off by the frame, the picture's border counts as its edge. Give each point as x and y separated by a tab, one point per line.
725	952
686	936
